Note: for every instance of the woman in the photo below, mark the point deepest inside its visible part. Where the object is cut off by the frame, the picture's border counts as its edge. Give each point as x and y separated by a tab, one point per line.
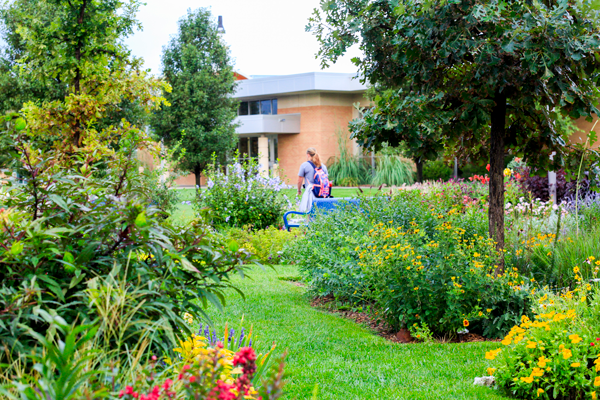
306	176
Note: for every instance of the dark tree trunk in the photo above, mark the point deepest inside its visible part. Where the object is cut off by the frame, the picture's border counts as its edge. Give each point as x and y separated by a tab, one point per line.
198	174
419	163
496	207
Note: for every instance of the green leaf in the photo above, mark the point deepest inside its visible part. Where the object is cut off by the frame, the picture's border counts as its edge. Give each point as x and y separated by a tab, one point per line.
140	220
59	201
16	248
68	257
233	245
20	124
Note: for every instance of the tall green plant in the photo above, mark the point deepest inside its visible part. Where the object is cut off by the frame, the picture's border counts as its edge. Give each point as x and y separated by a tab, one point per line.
393	170
347	169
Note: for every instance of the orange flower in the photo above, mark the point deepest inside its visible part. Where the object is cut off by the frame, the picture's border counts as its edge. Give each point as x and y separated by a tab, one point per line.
465	323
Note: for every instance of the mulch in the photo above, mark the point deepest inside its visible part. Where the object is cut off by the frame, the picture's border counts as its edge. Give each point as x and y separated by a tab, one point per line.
381	328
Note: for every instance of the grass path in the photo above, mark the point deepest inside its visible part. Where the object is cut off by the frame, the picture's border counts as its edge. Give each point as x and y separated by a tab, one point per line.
346	360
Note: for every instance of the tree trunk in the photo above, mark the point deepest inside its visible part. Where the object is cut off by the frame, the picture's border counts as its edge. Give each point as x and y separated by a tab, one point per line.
198	174
496	206
419	163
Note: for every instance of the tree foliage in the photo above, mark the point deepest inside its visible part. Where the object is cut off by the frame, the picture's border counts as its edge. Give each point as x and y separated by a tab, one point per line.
492	75
61	55
197	64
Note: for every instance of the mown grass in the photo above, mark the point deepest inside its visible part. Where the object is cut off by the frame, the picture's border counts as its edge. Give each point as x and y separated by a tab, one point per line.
346	360
185	212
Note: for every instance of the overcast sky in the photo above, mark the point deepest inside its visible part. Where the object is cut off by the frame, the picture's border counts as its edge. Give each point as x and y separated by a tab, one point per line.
266	37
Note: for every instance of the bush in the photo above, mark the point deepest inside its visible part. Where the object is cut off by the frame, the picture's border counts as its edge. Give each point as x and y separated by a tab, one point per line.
555	355
358	256
243	197
71	227
436	170
347	169
266	244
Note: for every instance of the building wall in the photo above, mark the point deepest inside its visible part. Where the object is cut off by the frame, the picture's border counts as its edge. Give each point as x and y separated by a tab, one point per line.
585	127
322	115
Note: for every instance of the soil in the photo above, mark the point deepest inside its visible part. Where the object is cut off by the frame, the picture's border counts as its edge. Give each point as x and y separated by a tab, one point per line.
381	328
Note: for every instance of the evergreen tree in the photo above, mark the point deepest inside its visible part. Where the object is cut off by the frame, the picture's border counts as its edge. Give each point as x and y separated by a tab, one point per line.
197	65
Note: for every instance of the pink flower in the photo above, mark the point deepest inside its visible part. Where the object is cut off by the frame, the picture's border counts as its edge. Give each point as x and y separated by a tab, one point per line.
167	384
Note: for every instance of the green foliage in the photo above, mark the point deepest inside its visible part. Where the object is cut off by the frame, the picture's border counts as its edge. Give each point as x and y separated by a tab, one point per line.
421	333
556	355
197	64
471	76
436	170
266	244
347	169
65	227
358	256
393	170
242	198
67	368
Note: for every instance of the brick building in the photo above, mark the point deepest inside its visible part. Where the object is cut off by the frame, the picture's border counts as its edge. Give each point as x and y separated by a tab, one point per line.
281	116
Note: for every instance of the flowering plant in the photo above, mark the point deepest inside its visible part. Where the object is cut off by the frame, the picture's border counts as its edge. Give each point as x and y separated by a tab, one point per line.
243	196
214	374
555	355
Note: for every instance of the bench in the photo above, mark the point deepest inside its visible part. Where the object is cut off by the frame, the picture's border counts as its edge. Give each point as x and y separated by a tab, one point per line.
323	205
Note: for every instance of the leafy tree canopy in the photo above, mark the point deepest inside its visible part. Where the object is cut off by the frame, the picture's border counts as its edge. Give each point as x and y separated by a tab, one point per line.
76	75
493	74
197	64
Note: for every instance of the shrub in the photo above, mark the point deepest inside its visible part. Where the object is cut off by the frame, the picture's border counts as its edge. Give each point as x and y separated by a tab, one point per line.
358	255
446	280
555	355
436	170
72	227
243	197
266	244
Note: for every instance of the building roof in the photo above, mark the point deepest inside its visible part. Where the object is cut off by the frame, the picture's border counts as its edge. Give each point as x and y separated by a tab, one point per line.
299	83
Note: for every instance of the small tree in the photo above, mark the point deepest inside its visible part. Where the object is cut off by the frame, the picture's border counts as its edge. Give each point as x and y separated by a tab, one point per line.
494	72
197	65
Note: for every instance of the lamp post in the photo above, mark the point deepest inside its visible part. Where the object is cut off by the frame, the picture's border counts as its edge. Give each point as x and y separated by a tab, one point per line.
220	27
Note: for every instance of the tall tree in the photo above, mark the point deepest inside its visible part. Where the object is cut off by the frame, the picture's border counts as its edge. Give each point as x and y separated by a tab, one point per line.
495	70
197	64
69	52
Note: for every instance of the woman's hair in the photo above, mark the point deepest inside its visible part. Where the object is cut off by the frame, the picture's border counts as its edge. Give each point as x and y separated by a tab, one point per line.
314	156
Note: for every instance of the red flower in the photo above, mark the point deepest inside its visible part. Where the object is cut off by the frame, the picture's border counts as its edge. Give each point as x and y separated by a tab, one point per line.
167	384
592	344
192	379
488	167
244	355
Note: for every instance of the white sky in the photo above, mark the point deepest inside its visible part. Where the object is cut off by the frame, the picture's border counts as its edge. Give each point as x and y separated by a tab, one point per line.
266	37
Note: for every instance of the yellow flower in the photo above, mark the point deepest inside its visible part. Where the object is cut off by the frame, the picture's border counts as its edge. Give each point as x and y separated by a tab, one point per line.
542	361
465	323
540	391
491	355
527	379
593	395
490	371
531	345
576	270
575	365
489	310
507	172
575	338
537	372
566	353
597	381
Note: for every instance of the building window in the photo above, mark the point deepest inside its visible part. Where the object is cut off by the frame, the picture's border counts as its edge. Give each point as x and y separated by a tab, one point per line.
258	107
254	107
243	110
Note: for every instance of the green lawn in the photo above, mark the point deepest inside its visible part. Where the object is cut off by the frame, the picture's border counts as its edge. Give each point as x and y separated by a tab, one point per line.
185	212
346	360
